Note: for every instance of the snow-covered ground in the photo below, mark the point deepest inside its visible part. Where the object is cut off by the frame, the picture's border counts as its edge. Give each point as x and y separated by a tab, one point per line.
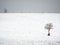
28	28
28	42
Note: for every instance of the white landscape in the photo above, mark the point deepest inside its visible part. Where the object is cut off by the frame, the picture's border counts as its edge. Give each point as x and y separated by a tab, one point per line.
28	29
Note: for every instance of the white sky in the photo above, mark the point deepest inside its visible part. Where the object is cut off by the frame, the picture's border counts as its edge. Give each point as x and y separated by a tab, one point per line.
29	25
30	6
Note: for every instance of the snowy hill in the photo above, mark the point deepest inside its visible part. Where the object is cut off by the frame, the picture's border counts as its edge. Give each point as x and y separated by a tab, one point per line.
29	26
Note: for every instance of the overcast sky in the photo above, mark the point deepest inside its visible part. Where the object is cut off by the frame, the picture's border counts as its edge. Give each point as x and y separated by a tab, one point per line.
30	6
29	26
